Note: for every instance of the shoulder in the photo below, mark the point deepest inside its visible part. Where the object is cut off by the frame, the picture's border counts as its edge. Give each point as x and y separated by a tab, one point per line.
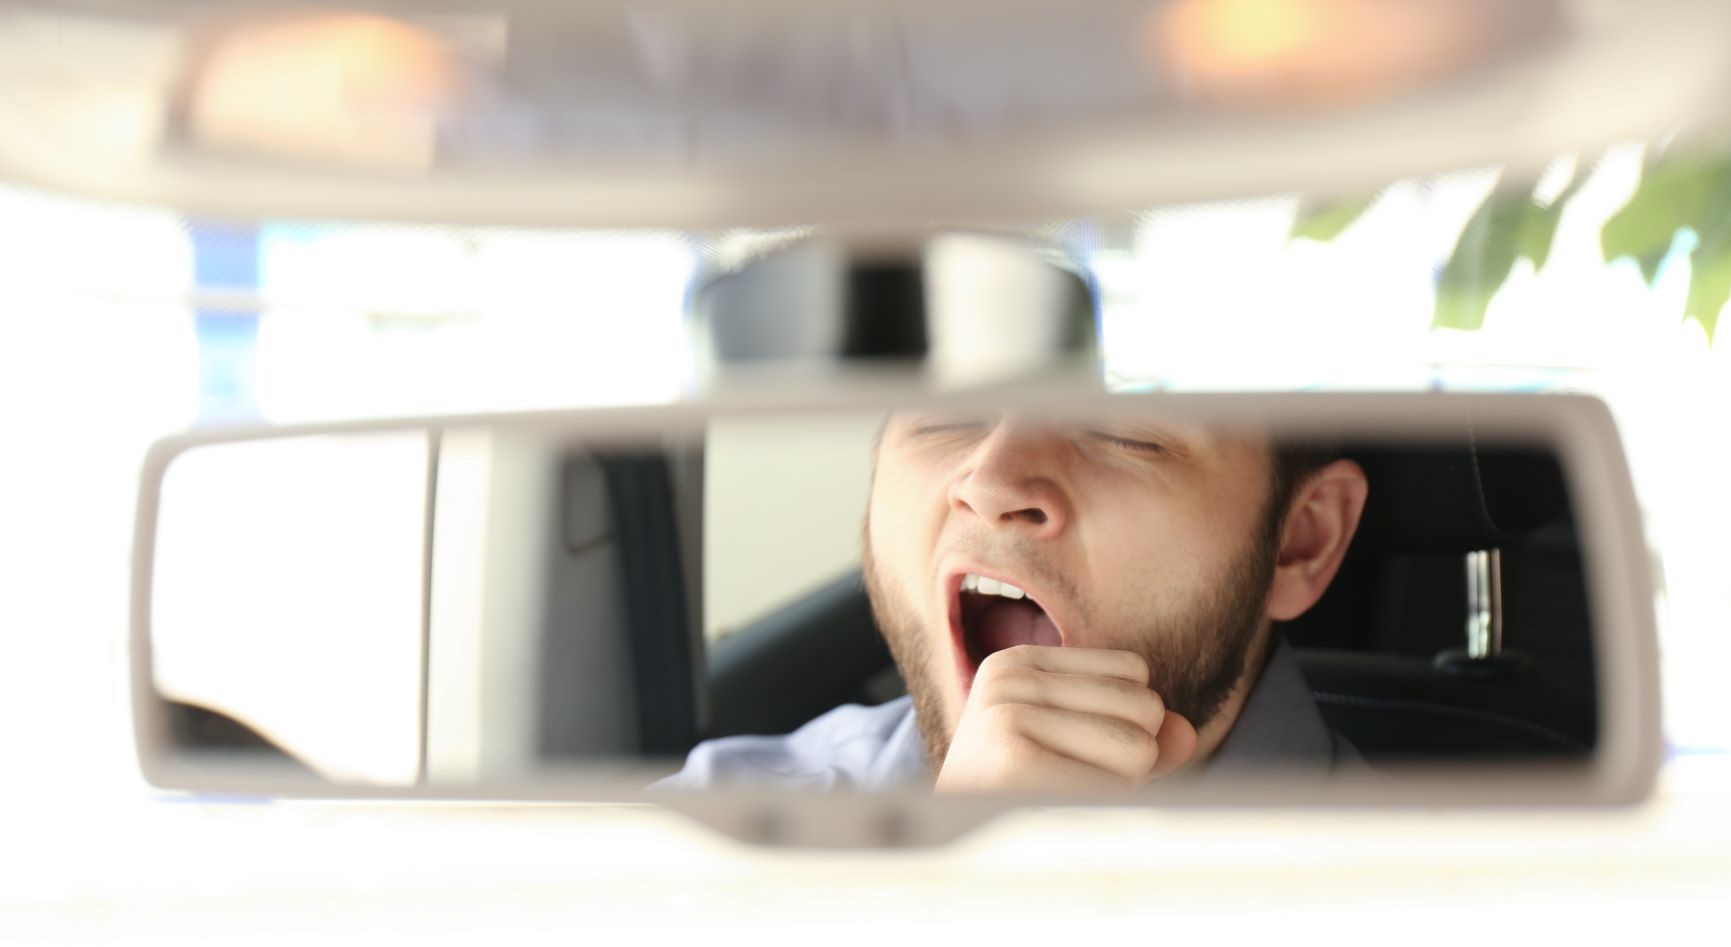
851	746
1280	725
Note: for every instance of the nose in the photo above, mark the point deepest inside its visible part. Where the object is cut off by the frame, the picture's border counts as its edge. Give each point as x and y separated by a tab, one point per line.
1013	481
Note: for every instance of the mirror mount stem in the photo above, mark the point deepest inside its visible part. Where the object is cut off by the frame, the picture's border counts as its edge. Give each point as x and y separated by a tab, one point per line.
911	300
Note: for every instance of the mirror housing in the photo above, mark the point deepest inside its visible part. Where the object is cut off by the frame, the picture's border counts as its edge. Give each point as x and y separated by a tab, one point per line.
1577	430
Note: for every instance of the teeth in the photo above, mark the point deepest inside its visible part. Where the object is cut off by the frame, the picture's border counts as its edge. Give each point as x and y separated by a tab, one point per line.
985	586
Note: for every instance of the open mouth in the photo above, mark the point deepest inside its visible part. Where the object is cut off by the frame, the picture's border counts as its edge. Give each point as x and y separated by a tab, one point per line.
988	615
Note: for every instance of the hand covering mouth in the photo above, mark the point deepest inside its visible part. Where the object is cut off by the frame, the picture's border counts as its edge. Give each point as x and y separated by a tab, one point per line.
992	614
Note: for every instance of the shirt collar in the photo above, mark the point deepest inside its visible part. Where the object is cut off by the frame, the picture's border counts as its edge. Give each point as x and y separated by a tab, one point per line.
1280	724
903	758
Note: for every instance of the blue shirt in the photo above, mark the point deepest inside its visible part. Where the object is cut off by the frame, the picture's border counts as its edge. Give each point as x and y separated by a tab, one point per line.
870	748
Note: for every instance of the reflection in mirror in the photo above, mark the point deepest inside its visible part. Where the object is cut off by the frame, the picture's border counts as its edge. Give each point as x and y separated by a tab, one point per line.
959	602
287	608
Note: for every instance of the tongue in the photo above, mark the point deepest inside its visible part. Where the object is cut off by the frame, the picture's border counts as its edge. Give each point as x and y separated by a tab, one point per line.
1005	624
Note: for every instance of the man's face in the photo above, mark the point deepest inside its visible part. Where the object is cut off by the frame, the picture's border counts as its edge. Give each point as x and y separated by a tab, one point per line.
1127	536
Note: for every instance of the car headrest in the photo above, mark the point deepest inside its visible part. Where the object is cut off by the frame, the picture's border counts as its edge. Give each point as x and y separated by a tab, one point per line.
1457	499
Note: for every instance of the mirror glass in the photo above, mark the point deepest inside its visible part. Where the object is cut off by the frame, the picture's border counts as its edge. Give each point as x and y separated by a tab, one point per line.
868	600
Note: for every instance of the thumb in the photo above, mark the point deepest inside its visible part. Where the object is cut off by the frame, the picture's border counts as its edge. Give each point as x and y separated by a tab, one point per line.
1177	739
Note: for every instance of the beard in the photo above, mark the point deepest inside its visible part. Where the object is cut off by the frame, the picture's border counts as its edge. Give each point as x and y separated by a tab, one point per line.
1196	656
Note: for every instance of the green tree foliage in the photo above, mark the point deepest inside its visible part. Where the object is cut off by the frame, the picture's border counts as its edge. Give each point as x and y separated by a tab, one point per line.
1510	225
1688	190
1680	190
1324	222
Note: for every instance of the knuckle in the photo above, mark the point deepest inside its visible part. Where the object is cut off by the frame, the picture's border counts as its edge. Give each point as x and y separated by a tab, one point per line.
1150	750
1146	706
1021	681
1021	655
996	663
1144	749
1008	683
1008	717
1136	665
997	683
1156	701
1154	710
1021	752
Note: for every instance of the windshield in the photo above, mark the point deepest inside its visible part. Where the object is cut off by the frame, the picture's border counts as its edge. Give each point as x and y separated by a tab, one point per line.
1603	272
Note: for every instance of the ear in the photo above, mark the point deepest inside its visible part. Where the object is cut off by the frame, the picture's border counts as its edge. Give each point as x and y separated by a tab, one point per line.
1320	523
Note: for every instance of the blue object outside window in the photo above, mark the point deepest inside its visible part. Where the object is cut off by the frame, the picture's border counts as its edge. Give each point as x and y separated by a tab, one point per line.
225	259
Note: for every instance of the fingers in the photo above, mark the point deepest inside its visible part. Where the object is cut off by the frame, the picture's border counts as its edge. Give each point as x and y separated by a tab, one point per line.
1178	741
1023	764
1115	697
1064	718
1124	665
1115	746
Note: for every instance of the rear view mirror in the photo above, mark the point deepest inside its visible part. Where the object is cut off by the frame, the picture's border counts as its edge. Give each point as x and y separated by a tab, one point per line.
1337	599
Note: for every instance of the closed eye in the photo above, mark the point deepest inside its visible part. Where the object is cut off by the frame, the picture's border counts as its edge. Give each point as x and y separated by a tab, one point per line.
947	426
1127	443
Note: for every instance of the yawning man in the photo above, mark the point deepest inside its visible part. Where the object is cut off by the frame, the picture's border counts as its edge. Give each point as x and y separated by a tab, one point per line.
1078	607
